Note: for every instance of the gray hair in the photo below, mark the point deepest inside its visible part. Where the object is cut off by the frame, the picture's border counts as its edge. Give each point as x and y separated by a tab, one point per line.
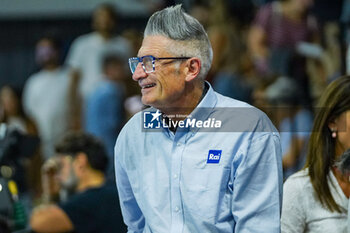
189	36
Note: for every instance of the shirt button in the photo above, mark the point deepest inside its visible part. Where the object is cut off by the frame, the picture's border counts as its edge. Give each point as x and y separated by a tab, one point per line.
175	176
177	209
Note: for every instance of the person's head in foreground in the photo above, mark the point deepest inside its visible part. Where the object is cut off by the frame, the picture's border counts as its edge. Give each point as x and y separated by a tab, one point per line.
80	168
173	60
83	160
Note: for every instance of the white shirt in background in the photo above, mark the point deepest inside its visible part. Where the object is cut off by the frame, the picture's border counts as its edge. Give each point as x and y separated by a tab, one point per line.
45	100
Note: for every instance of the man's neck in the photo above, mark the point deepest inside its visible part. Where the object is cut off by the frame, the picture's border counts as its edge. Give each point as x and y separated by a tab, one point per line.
91	179
187	104
51	67
105	35
179	114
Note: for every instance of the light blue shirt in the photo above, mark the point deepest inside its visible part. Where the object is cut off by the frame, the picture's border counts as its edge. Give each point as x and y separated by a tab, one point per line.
104	116
167	184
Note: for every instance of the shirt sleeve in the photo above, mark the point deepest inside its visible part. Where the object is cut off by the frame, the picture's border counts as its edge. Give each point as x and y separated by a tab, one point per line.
104	112
257	186
132	214
111	108
293	214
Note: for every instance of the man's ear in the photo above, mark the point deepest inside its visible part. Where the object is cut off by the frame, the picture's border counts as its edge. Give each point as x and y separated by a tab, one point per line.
193	67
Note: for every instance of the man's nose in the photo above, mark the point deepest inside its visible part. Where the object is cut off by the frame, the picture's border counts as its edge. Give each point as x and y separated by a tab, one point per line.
139	73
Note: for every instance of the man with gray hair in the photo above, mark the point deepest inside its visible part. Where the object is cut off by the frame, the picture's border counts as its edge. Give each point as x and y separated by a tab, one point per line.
182	165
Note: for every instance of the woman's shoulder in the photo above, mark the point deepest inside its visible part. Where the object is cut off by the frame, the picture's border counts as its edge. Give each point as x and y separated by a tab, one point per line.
298	194
299	181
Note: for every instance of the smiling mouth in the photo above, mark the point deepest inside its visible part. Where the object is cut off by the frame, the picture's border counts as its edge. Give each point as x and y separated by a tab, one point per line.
148	86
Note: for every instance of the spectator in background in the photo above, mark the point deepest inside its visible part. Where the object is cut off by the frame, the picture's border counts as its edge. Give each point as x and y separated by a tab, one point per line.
277	31
293	121
345	20
27	171
94	207
327	67
12	111
331	16
87	51
316	199
46	95
105	113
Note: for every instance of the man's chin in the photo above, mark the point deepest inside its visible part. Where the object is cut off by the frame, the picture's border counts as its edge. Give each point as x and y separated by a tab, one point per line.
146	101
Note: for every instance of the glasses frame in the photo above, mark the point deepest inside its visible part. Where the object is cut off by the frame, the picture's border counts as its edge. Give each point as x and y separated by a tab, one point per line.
140	59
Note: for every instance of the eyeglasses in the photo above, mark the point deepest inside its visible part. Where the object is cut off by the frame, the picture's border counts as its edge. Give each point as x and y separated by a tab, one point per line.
148	62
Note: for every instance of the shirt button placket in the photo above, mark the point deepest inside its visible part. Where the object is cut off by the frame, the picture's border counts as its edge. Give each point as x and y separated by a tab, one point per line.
177	218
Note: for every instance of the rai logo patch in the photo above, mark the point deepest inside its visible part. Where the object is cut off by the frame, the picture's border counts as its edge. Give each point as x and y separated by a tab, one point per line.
214	156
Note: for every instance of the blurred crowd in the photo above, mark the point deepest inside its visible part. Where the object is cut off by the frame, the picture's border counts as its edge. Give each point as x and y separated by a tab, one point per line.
276	55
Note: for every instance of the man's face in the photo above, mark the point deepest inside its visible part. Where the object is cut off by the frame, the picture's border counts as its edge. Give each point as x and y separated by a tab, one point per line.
46	53
166	85
67	175
103	21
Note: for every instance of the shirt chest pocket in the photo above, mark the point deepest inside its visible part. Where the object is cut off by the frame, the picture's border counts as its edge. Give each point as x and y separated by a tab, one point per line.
205	190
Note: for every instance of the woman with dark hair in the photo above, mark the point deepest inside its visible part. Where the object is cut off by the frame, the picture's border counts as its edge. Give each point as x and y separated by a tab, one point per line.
12	114
316	198
12	110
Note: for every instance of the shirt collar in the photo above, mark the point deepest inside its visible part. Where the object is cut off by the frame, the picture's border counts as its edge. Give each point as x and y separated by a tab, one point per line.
202	110
210	99
208	102
337	192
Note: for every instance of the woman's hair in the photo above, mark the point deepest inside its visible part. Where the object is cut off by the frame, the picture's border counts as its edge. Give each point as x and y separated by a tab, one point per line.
16	96
189	36
321	151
